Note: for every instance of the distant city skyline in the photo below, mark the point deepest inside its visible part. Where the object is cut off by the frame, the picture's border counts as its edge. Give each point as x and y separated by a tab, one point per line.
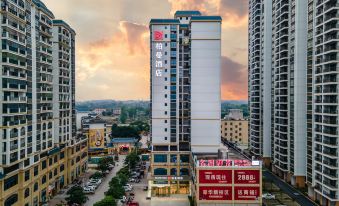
113	55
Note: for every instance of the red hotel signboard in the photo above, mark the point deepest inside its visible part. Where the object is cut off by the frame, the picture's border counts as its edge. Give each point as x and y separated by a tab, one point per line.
246	193
246	177
215	176
215	193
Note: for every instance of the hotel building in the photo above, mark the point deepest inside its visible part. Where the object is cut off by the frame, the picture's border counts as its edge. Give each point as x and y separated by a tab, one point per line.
185	97
40	152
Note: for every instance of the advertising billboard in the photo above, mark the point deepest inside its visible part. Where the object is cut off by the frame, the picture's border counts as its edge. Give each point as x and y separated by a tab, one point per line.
246	176
96	138
215	176
215	193
246	193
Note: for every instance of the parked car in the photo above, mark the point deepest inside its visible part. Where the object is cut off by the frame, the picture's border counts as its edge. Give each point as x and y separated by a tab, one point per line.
127	189
88	190
145	188
132	180
268	196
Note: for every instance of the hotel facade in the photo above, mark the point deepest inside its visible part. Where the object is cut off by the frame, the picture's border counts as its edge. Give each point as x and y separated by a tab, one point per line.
185	97
40	152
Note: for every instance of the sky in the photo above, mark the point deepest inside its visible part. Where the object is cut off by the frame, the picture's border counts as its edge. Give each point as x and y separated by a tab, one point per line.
112	44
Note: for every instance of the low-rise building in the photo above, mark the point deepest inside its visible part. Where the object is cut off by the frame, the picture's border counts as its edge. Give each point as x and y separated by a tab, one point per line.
234	128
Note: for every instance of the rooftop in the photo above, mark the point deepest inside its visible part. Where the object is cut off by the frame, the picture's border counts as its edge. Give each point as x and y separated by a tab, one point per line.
43	7
206	18
124	140
62	22
187	13
164	21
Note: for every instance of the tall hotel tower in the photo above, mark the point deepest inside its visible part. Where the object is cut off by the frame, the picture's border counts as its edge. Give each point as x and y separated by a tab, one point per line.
39	151
297	42
185	97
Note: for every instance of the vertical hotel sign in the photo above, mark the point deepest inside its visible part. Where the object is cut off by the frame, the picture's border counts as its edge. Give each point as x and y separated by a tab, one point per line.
158	36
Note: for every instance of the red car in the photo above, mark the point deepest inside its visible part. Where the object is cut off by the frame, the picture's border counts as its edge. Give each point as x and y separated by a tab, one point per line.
133	204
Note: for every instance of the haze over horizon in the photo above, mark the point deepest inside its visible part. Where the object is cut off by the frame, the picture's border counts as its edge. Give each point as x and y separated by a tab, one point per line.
113	59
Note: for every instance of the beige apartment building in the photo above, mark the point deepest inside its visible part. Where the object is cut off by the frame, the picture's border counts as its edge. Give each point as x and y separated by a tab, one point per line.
235	131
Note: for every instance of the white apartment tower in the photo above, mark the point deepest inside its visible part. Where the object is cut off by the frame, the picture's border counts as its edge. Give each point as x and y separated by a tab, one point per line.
277	85
185	93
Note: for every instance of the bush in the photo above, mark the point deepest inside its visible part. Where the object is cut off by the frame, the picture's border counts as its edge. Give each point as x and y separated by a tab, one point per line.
97	175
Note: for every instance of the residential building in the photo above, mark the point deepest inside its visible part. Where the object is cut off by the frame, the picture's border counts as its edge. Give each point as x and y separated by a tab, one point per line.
304	90
260	78
34	162
234	114
323	164
284	130
185	97
235	131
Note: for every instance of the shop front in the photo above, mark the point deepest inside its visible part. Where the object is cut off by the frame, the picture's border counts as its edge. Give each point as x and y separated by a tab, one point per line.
168	186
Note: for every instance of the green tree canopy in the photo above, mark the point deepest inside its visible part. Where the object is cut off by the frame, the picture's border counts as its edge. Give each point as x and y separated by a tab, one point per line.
76	195
107	201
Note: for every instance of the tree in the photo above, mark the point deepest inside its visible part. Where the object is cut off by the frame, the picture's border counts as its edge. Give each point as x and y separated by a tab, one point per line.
76	195
107	201
116	189
104	162
124	131
97	175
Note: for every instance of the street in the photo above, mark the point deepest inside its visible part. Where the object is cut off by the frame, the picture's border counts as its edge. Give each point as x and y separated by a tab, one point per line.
100	191
288	189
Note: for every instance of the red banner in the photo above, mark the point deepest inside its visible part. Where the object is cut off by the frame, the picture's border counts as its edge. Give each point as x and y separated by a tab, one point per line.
215	193
246	193
246	176
242	163
215	176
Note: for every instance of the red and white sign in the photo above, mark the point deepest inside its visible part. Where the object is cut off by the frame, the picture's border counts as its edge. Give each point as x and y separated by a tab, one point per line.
246	193
215	193
242	163
217	163
246	176
158	35
215	176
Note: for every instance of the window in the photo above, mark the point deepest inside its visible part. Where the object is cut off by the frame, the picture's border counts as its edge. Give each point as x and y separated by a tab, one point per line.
173	158
62	167
50	175
26	192
36	170
165	121
165	95
165	129
165	87
160	171
43	180
184	172
55	172
165	112
43	165
184	158
36	187
165	138
50	161
174	172
11	200
27	175
160	158
10	182
240	134
165	35
165	104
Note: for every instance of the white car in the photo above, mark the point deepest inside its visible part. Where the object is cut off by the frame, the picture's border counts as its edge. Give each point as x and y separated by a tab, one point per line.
268	196
129	185
127	189
95	181
88	190
91	186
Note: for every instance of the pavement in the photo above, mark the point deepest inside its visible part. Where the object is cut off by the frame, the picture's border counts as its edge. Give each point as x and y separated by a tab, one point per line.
100	191
289	190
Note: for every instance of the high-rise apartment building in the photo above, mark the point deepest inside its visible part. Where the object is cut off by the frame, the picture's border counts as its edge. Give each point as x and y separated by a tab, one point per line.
281	49
185	97
304	89
39	152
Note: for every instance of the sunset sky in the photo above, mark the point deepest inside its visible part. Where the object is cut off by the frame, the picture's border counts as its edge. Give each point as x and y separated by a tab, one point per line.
112	44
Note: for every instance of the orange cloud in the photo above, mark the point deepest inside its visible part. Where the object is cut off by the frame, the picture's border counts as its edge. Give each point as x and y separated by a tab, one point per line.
234	12
117	66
